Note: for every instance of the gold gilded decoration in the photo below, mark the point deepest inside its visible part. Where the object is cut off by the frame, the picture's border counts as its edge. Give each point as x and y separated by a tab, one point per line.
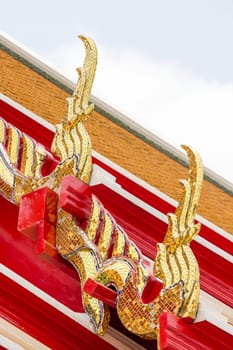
22	158
103	252
175	265
21	162
94	220
122	267
106	236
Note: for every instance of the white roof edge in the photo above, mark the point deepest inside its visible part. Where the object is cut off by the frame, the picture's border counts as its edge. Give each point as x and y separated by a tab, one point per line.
33	58
166	146
27	112
28	55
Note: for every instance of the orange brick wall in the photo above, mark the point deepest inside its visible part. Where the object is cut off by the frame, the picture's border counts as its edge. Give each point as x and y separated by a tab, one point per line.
29	89
42	97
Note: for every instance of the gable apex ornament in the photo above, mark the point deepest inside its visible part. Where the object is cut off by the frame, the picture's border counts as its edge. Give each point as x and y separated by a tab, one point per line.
86	233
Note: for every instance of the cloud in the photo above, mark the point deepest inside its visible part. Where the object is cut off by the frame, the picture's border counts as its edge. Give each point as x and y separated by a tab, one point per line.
164	98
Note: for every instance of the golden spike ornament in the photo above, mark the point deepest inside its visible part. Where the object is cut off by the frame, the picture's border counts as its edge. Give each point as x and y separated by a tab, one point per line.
175	265
101	251
22	158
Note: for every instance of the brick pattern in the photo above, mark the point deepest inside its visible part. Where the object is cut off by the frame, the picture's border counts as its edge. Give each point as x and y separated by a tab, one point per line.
42	97
31	90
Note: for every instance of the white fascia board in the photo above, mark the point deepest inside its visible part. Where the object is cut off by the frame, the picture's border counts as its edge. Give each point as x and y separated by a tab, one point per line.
215	312
27	112
13	338
28	55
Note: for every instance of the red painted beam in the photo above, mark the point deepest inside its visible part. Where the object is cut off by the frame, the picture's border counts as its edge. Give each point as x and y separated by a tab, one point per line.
37	218
76	198
26	124
175	334
152	289
18	252
43	322
100	292
109	296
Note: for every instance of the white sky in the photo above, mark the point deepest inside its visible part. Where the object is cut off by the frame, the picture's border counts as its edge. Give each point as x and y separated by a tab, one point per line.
166	64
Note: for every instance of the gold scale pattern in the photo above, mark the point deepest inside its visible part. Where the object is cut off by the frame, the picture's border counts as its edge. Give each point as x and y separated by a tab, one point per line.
175	263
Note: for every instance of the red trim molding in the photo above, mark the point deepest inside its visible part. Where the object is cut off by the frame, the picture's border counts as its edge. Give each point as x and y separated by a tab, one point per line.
43	322
21	121
19	253
175	334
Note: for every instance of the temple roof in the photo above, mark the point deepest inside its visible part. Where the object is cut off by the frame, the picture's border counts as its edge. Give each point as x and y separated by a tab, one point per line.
134	183
35	85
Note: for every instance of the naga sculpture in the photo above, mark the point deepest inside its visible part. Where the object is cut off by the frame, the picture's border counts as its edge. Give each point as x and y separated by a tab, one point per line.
93	242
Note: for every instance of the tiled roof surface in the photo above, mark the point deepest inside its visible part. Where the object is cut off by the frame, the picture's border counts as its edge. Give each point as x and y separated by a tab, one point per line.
33	91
